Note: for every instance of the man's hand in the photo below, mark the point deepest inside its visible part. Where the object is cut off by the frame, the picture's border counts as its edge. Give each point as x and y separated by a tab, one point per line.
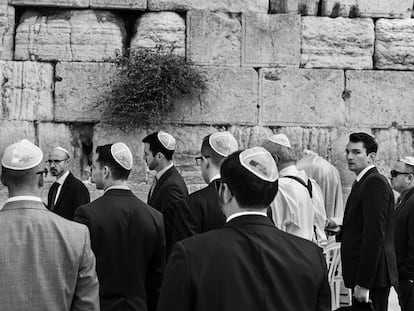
361	294
331	227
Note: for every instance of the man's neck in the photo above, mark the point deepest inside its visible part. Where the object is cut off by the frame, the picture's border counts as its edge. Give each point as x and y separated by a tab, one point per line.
60	175
212	173
282	165
24	192
163	165
115	183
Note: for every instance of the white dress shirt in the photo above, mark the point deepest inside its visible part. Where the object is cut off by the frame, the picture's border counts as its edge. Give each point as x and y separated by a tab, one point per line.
60	181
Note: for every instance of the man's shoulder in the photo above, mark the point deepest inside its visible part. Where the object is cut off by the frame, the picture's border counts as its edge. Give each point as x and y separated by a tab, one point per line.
74	181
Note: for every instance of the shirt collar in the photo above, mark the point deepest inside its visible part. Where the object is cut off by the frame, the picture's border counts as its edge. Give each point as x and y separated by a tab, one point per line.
62	178
116	188
160	173
245	213
289	170
215	177
363	172
24	198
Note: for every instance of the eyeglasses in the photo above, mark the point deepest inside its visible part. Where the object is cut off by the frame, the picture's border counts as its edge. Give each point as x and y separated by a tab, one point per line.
395	173
200	158
45	171
49	162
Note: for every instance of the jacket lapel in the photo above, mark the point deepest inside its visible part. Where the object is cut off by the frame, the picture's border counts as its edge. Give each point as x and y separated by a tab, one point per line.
63	190
164	177
402	202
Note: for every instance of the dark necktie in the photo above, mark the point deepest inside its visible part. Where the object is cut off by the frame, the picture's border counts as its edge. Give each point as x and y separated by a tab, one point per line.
154	183
53	191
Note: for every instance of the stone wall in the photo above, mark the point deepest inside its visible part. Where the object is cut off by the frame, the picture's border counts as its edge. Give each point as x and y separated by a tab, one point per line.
314	70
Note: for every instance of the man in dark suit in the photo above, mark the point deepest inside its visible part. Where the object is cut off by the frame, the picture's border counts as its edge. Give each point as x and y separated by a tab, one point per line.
367	250
67	193
248	264
402	180
207	214
127	236
168	192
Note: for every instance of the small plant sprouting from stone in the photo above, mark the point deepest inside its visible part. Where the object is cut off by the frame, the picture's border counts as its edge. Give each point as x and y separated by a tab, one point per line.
147	85
336	10
303	9
354	12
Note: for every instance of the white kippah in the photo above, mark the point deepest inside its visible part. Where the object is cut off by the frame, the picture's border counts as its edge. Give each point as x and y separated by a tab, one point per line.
22	155
63	149
166	140
122	155
223	143
408	160
259	162
280	139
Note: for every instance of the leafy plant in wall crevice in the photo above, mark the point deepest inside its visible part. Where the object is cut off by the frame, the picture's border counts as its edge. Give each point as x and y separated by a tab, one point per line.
146	87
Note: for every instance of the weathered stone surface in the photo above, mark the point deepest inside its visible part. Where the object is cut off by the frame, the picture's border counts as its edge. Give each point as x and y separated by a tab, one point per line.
392	145
301	97
249	136
54	3
394	44
210	5
271	39
165	30
231	96
368	8
13	131
337	43
76	35
26	91
213	38
79	87
6	31
119	4
380	98
303	7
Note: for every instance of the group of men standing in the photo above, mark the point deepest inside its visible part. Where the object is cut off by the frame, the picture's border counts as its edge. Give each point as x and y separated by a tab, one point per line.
252	239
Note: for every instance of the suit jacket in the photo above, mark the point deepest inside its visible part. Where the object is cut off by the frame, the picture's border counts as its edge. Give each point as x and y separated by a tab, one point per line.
170	198
367	249
46	262
72	195
404	235
247	265
205	210
128	241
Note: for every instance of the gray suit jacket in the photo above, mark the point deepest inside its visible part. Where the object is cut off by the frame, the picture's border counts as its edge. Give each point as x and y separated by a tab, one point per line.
46	261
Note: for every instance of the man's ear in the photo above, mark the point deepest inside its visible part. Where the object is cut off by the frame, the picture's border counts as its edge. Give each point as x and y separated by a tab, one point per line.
371	157
227	195
106	172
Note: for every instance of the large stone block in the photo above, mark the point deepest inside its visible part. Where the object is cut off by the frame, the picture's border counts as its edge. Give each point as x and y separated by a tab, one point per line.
213	38
76	35
231	97
6	31
54	3
210	5
164	30
337	43
13	131
26	91
79	88
303	7
394	44
368	8
119	4
392	145
271	39
380	98
301	97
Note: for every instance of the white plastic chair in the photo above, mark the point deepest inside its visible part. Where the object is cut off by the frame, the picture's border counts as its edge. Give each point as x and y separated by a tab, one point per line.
333	262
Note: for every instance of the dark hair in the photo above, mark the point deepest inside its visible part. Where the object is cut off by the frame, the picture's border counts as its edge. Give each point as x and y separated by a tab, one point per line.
206	149
105	158
155	146
368	141
248	189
